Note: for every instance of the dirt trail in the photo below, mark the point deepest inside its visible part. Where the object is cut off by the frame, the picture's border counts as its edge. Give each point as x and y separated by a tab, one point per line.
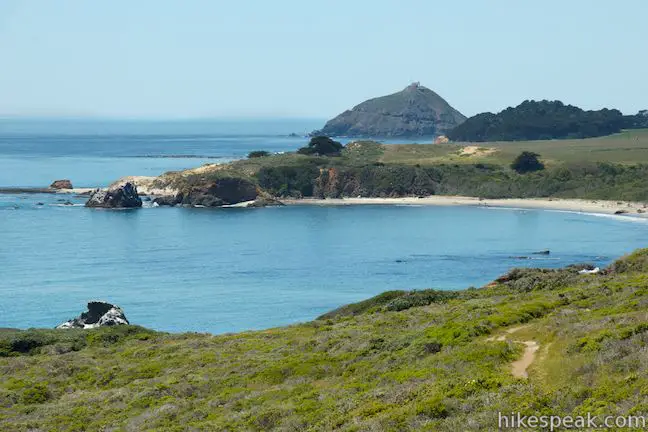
519	367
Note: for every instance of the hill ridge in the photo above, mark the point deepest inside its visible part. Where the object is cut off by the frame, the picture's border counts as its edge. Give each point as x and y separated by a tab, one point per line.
414	111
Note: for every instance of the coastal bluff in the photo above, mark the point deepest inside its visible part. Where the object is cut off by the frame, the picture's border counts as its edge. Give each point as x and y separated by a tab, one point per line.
416	111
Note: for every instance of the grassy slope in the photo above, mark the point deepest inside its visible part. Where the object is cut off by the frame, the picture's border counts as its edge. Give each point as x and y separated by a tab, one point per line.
380	365
628	147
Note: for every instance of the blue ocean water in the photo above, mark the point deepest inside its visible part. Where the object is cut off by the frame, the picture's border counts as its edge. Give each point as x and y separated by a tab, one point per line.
96	153
224	270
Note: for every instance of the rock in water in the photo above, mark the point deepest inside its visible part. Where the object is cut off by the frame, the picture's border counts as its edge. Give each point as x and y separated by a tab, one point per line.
99	314
61	184
415	111
124	196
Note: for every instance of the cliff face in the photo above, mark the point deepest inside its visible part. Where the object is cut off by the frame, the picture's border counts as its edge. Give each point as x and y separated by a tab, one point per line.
413	112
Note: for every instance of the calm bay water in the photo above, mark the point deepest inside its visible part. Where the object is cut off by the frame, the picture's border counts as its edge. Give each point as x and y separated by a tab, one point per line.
221	270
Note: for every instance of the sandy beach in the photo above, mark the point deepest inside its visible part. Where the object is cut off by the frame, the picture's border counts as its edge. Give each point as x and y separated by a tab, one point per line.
623	208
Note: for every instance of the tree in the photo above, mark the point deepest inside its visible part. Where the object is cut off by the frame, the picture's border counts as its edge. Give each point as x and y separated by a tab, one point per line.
321	146
258	154
527	162
540	120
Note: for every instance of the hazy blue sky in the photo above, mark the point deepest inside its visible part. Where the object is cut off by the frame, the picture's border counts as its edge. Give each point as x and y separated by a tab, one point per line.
315	58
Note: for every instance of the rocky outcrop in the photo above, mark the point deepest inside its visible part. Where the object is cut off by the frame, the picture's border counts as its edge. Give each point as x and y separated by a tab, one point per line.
217	193
166	200
61	184
123	196
99	314
414	112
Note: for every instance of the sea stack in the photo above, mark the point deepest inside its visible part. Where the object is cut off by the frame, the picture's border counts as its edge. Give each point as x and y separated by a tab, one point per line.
415	111
123	196
61	184
99	314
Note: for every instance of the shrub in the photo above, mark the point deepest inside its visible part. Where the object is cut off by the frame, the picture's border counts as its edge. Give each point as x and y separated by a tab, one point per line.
288	180
433	407
635	262
419	298
527	162
258	154
322	146
36	394
364	306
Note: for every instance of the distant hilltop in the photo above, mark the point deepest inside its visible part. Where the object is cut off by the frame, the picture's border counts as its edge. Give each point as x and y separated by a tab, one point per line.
415	111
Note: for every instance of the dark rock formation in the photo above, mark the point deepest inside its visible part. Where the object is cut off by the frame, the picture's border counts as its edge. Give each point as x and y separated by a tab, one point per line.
99	314
223	191
124	196
61	184
542	252
166	200
415	111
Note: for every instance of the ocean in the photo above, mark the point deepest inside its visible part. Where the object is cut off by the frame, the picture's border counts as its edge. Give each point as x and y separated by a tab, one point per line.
227	270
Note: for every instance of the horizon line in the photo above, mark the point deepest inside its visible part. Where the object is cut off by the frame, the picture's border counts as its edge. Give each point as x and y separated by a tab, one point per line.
20	117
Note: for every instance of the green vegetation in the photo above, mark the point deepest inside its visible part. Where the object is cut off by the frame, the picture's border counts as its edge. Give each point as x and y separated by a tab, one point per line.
527	162
257	154
442	362
533	120
638	121
321	146
613	168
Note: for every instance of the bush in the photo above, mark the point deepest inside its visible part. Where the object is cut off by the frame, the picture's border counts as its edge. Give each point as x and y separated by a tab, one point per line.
36	394
322	146
419	298
288	180
527	162
258	154
635	262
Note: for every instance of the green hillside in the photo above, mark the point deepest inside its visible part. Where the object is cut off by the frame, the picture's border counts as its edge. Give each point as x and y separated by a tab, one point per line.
400	361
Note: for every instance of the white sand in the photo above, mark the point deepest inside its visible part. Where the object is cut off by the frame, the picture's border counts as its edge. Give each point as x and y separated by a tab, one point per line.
575	205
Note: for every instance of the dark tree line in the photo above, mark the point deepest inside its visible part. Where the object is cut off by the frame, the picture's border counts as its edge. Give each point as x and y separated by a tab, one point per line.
532	120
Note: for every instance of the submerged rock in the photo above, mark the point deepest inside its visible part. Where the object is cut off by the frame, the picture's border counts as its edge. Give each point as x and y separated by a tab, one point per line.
99	314
61	184
124	196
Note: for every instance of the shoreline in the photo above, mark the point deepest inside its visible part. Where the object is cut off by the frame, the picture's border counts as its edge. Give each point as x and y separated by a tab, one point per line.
633	209
616	208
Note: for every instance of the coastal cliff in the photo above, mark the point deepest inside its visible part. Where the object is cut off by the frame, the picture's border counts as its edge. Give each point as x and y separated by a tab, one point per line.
371	169
415	111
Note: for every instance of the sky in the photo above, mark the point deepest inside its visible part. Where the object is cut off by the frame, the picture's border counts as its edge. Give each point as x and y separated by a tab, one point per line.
316	58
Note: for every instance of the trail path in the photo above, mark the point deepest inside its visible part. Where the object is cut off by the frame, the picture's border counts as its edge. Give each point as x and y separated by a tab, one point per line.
520	366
